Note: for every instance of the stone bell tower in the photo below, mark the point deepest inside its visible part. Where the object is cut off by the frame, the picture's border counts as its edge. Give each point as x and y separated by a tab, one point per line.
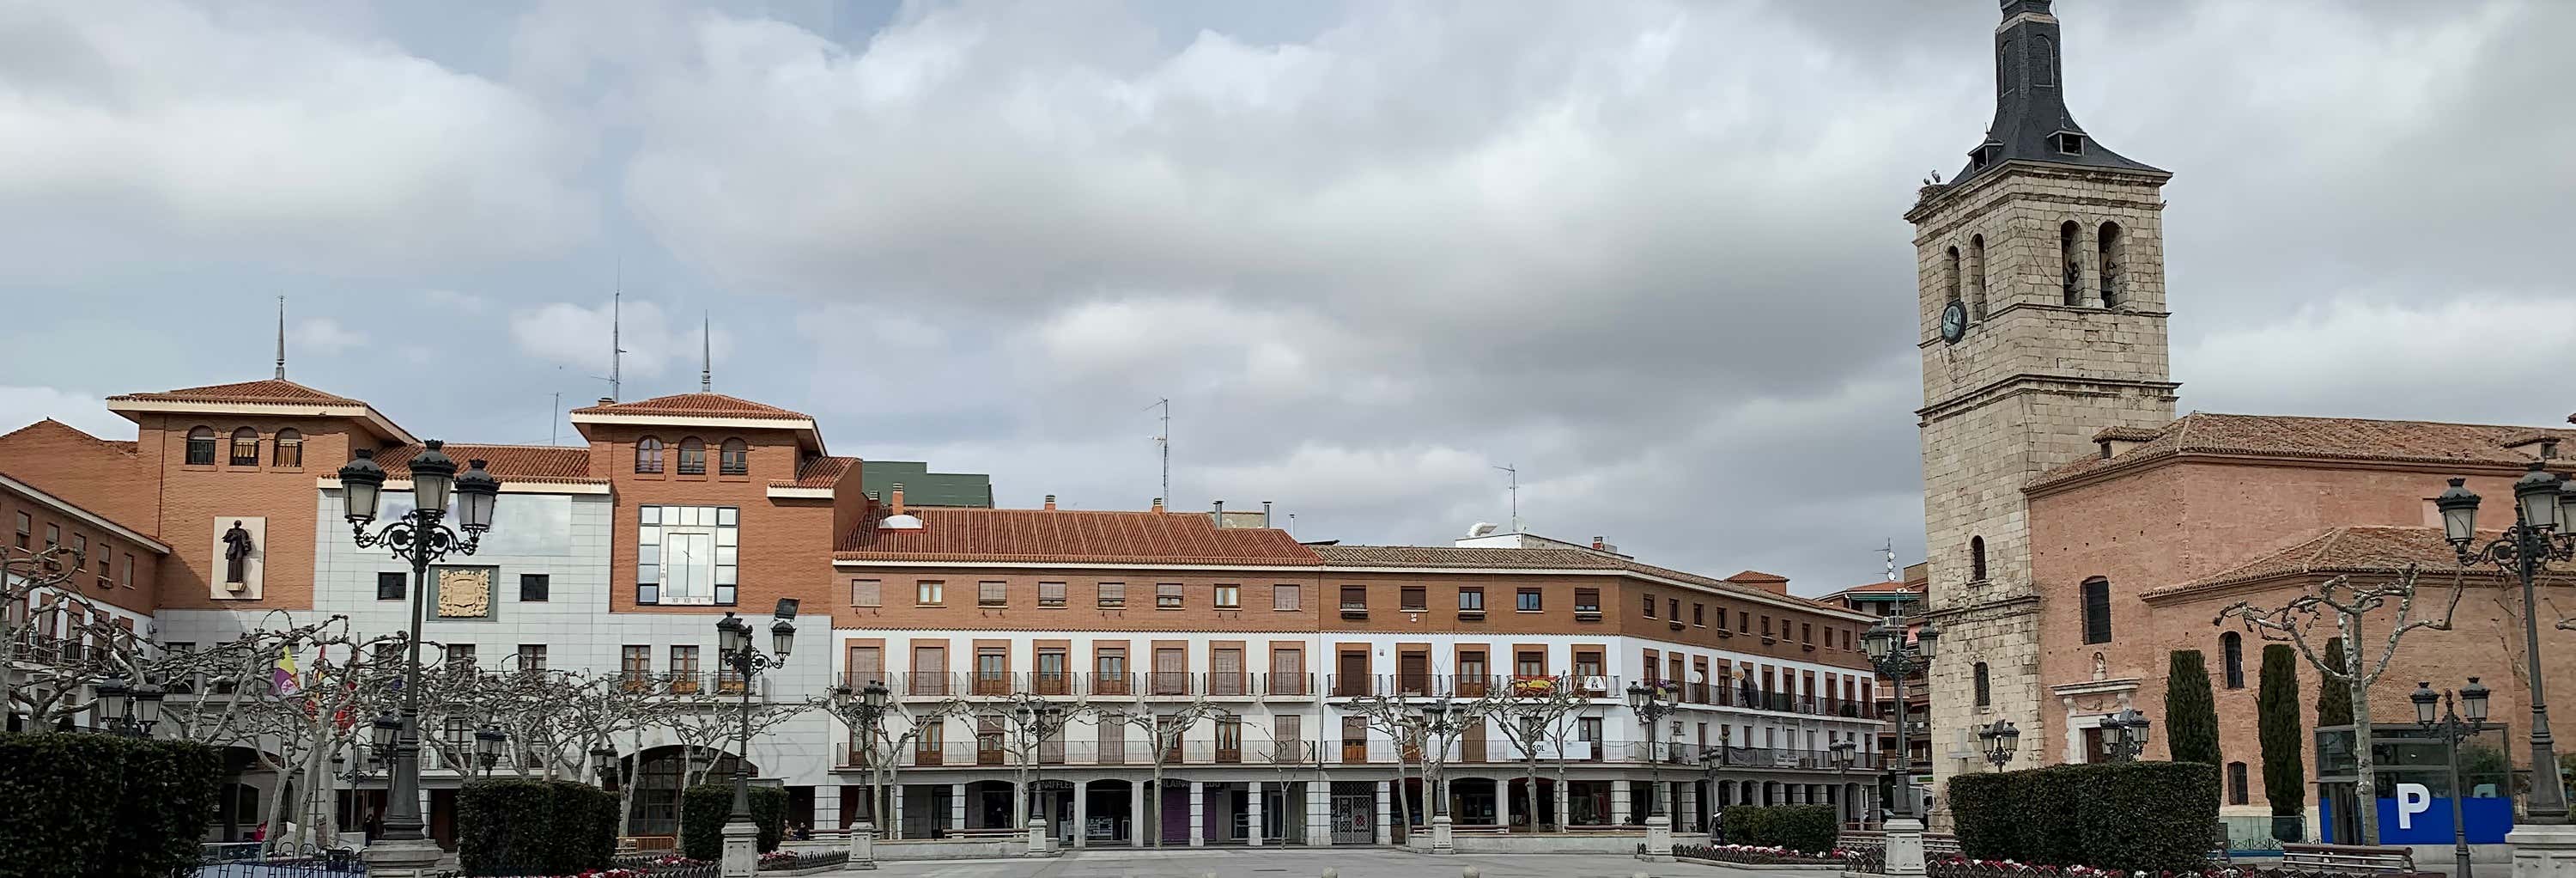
2042	313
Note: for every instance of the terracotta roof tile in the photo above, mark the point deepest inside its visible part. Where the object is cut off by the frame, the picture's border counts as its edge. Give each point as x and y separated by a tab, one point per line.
1756	576
817	472
1882	587
272	390
1521	559
49	428
525	463
1070	536
708	405
2427	442
2336	551
2128	434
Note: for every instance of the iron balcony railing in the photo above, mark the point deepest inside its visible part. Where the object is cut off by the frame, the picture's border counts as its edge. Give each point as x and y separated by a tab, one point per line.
937	685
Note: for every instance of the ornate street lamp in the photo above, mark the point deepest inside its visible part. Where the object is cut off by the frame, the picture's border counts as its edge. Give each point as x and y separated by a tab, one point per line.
2124	735
603	765
873	699
733	647
2000	740
1440	720
146	707
420	537
2544	530
2435	713
1039	719
1840	753
487	747
1898	660
109	711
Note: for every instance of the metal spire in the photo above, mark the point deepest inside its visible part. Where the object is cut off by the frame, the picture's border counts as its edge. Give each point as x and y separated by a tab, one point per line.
281	338
706	353
1515	473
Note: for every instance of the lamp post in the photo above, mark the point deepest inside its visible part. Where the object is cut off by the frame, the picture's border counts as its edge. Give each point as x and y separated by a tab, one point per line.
1440	720
420	537
2000	740
487	747
2125	735
1710	760
1650	705
1897	659
871	712
733	647
2452	728
2544	530
1841	753
603	764
1040	720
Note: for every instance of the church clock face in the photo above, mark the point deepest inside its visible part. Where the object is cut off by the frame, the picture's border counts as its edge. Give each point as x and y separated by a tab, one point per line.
1954	321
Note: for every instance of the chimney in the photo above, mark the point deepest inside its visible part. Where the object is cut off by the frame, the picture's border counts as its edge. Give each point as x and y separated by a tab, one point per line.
605	400
1217	511
1050	503
1158	504
1265	513
1597	543
898	498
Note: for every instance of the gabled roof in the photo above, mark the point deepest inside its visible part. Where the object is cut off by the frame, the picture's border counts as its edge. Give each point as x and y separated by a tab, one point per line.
1880	587
702	405
1071	536
2354	439
268	390
74	510
510	463
817	472
1756	576
2337	551
56	430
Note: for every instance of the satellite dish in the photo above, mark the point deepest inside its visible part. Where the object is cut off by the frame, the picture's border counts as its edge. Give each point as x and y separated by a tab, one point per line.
1481	528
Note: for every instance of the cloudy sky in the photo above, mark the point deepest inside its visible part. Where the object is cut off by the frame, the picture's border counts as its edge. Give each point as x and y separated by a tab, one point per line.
1649	253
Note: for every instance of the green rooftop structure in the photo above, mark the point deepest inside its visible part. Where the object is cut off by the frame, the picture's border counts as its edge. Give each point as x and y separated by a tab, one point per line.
921	487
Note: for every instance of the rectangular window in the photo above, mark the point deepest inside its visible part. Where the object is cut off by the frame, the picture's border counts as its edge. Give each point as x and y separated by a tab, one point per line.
460	656
1167	596
867	665
929	670
693	458
1650	606
1287	672
634	664
684	669
1109	670
1287	731
1527	600
1285	596
1051	670
53	535
2097	610
1171	671
26	529
533	587
1229	739
1766	626
685	555
1673	609
1529	663
1051	594
992	593
1414	599
1229	596
867	593
992	671
929	592
389	585
80	544
1471	599
1743	622
532	657
1354	598
126	577
1113	595
1699	618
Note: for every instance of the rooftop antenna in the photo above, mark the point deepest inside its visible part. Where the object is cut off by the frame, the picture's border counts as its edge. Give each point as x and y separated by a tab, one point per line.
1891	561
554	425
1516	495
1292	525
706	353
281	338
1164	441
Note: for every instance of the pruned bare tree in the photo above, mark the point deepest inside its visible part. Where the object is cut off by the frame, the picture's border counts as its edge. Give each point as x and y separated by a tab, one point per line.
2345	606
1165	725
1400	717
56	640
1528	712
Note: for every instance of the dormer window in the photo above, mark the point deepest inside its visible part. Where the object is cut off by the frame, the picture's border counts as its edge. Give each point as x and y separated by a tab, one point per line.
1985	155
2067	143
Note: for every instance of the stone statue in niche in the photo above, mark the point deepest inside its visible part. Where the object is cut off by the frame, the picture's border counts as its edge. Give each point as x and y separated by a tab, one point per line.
237	549
2101	668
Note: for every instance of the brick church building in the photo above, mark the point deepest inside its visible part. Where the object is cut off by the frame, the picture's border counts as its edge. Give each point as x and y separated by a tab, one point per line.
2079	532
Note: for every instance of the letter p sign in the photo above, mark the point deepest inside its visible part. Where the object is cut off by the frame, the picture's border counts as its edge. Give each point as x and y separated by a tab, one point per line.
2412	799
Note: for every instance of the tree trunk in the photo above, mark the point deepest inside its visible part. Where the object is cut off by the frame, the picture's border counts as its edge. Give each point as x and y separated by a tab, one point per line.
2365	788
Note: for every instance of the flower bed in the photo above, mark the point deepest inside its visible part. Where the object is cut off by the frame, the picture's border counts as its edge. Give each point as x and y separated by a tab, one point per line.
1758	855
1962	867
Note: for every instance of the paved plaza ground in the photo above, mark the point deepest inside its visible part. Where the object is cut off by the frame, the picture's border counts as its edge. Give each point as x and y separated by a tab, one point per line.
1306	863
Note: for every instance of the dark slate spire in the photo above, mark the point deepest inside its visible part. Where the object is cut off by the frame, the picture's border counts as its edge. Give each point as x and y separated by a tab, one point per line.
2031	121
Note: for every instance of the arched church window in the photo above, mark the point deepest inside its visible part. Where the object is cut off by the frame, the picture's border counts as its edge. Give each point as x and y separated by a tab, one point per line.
1977	277
2111	245
2097	610
1976	559
1950	275
2231	650
1985	695
2073	284
2043	62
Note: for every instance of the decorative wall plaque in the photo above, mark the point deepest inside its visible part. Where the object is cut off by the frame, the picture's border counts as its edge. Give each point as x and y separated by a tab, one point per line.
464	592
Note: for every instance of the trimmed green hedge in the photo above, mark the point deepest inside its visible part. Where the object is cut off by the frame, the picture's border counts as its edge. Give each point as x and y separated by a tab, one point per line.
89	805
519	827
2152	816
703	811
1804	828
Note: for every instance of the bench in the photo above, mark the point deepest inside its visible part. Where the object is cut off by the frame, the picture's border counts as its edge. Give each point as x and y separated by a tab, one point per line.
1477	829
982	833
2349	858
1588	827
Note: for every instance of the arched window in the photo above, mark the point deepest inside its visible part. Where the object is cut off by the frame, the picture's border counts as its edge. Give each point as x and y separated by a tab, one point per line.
1985	696
2003	69
2110	245
734	458
2097	610
2231	651
1977	277
2073	282
2043	62
290	449
1976	559
693	457
201	446
1950	276
648	455
245	447
2237	794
